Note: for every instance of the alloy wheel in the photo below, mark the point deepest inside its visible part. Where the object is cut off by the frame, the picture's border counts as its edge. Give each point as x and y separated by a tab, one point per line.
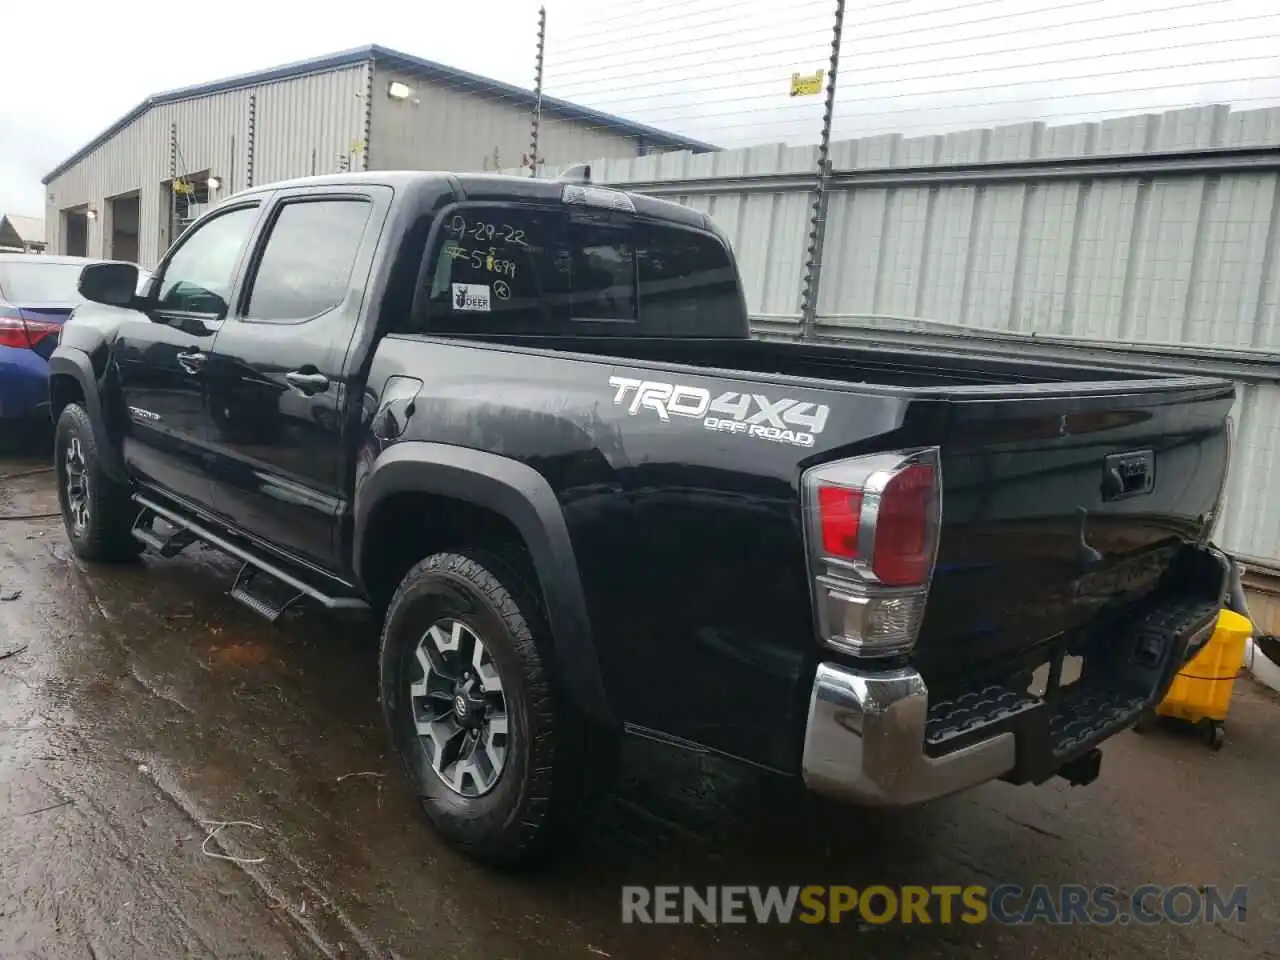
460	708
77	486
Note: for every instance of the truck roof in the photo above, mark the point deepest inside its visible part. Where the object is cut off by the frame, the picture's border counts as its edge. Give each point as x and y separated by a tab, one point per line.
489	186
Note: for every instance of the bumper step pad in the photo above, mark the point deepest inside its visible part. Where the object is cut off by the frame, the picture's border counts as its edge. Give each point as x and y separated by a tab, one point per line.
1125	671
950	720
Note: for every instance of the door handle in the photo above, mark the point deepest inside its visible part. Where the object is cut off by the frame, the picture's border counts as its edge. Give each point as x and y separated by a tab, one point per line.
192	362
307	383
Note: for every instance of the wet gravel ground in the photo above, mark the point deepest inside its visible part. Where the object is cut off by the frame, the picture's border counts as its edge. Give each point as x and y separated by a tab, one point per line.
139	706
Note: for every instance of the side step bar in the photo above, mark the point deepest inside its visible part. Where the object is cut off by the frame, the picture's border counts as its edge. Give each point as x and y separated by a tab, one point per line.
169	546
255	590
189	531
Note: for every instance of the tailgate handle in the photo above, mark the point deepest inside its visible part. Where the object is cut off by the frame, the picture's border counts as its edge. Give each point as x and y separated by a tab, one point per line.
1129	474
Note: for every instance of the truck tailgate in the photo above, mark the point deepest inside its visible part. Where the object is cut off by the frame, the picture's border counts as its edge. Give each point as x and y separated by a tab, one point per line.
1056	509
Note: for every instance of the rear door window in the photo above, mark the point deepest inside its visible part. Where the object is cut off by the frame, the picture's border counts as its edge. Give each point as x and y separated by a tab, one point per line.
546	270
306	266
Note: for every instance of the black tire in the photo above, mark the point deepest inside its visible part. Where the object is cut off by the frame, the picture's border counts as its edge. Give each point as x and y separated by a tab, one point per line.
1214	734
537	797
105	534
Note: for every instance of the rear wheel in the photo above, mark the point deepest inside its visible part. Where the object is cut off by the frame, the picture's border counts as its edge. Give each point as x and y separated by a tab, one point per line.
493	750
97	511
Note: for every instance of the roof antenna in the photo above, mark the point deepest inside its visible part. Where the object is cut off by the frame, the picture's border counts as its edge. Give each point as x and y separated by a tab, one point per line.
577	173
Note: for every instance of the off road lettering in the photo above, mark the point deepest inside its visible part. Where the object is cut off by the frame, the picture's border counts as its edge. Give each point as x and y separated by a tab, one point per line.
782	420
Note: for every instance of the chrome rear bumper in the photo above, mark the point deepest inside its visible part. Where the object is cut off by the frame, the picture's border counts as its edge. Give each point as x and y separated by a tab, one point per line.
874	738
864	741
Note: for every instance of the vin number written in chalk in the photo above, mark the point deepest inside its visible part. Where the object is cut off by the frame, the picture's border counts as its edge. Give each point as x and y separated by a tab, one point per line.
460	226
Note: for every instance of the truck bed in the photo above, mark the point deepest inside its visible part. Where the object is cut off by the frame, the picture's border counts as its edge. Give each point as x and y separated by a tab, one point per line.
928	375
678	499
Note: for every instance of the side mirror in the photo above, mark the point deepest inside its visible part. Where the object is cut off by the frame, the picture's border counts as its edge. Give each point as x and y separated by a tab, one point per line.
114	284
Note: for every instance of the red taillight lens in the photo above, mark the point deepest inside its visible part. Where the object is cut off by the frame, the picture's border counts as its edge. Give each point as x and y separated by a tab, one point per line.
37	330
23	334
904	549
12	331
839	510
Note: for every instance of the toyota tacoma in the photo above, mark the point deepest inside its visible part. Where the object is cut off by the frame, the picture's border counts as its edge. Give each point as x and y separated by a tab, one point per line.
525	425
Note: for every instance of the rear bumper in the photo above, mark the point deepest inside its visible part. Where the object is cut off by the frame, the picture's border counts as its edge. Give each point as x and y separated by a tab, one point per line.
24	383
865	742
874	737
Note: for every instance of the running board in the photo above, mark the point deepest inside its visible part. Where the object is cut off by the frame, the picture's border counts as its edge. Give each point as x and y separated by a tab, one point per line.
249	573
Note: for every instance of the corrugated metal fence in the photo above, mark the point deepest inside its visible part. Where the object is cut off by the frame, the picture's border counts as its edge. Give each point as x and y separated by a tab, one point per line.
1147	240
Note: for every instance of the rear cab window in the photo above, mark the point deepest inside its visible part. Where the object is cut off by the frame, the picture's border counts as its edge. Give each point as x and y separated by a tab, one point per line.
497	268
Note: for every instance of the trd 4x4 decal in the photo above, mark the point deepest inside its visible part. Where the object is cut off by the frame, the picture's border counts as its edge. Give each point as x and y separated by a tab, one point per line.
781	421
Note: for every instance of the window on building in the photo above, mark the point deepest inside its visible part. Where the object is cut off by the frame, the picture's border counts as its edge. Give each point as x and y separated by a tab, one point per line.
198	276
305	269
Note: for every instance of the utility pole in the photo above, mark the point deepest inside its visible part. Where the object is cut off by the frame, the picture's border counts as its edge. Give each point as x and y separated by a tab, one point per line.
251	143
818	221
171	229
537	92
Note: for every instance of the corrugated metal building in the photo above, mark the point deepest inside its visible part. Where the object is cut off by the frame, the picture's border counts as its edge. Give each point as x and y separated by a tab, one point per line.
1149	241
364	109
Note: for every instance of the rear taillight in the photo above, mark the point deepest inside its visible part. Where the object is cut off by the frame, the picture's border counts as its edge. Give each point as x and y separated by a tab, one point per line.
839	511
37	330
872	526
12	331
24	334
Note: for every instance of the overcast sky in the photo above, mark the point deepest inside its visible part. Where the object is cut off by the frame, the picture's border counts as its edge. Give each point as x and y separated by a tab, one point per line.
713	69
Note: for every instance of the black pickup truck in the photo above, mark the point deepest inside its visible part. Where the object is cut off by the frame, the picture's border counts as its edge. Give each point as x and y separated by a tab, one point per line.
524	424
